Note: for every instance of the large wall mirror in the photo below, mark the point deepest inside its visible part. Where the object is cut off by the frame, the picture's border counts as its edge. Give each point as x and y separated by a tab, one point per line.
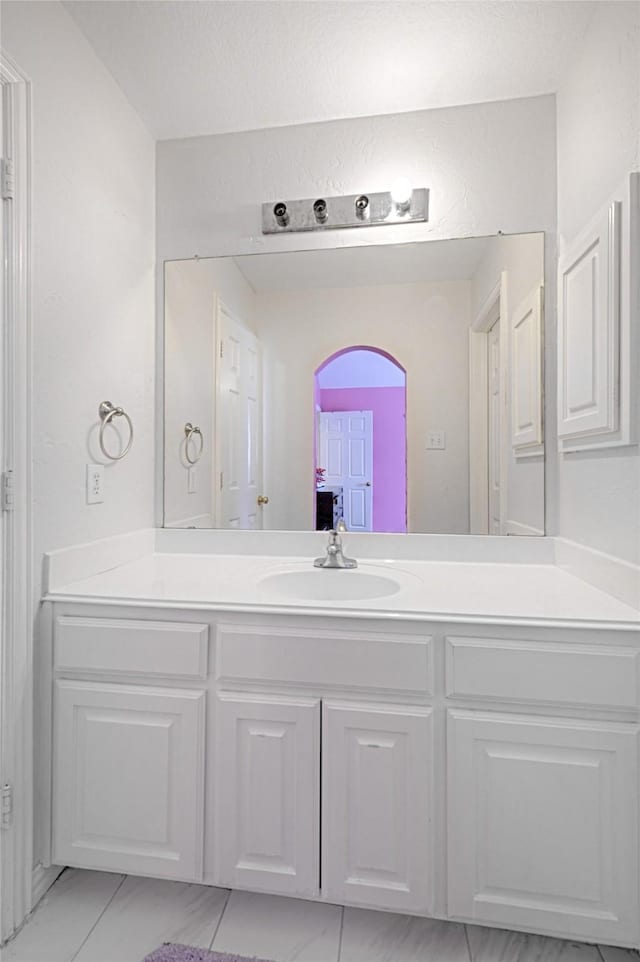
397	387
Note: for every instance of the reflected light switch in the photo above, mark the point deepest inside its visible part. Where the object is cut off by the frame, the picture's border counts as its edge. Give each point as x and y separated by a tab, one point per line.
436	441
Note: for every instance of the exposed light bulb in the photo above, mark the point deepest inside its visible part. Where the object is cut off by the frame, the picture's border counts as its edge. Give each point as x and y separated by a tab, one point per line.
401	192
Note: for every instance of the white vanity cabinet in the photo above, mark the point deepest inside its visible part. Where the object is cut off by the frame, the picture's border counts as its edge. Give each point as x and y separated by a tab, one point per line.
128	756
377	808
543	819
267	793
542	810
477	772
129	788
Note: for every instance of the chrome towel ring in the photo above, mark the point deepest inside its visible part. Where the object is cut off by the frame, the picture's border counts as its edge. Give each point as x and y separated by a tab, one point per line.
190	432
107	412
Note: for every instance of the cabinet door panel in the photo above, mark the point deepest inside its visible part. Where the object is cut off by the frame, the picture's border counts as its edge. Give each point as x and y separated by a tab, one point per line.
129	779
526	363
543	824
589	330
377	811
267	793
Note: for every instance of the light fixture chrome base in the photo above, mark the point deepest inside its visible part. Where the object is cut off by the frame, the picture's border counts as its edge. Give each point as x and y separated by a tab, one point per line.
351	210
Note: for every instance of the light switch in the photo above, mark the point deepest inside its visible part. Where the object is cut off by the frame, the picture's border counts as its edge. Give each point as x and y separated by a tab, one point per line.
436	441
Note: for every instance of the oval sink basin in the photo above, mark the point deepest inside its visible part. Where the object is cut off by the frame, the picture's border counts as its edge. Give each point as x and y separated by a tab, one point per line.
321	584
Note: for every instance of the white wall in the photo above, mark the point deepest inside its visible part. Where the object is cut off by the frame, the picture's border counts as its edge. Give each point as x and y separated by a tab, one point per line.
93	263
191	292
490	167
598	146
425	327
522	257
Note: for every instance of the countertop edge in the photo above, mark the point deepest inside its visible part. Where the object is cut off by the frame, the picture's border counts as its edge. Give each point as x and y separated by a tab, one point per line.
347	613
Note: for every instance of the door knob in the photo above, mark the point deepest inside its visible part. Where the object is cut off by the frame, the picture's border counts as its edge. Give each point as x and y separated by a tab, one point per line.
368	484
263	499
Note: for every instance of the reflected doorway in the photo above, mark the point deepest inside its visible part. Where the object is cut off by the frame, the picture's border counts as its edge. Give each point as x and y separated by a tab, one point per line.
360	397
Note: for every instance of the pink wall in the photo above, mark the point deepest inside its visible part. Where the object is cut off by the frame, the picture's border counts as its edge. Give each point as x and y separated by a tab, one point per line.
389	447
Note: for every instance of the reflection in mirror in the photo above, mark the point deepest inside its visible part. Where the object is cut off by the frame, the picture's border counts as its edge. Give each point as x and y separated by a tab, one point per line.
398	388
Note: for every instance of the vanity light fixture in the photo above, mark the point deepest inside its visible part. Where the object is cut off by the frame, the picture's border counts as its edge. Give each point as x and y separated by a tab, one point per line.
320	211
401	205
280	214
363	208
401	194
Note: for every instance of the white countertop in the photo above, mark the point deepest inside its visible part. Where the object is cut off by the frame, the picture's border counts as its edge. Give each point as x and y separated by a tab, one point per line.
430	590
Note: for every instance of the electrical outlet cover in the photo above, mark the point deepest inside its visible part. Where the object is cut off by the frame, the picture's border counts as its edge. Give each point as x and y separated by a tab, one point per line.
95	483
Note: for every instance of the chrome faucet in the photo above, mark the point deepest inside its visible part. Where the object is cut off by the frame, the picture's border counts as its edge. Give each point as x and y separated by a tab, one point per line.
334	557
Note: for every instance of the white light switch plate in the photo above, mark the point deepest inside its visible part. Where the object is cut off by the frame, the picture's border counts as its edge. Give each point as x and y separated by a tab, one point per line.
436	441
95	483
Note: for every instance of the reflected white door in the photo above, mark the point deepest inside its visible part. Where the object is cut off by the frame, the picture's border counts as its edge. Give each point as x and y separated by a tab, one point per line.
346	452
493	381
238	425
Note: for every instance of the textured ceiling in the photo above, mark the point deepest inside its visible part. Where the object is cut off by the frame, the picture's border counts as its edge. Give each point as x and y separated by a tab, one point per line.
450	260
193	67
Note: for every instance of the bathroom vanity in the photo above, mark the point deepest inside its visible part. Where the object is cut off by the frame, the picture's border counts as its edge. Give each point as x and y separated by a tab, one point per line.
462	742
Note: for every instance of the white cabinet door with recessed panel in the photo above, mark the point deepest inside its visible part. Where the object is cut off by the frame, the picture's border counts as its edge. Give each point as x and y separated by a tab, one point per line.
526	372
267	793
128	786
377	811
543	824
589	329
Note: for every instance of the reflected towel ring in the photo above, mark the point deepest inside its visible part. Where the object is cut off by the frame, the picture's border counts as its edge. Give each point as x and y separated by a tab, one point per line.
190	431
107	412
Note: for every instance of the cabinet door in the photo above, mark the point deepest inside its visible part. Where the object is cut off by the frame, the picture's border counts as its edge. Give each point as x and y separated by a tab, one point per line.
376	806
267	795
543	828
128	788
589	329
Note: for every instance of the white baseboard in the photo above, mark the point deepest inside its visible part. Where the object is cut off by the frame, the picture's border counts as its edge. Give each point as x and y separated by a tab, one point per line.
618	578
42	880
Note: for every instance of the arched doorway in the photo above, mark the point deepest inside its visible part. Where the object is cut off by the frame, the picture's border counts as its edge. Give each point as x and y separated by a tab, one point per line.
360	396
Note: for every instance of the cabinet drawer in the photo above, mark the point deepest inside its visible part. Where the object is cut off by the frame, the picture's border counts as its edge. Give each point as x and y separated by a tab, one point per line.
118	646
548	673
325	659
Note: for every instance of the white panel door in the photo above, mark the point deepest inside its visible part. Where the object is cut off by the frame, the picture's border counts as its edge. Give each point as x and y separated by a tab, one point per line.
526	372
128	787
238	425
346	451
267	797
494	436
589	329
543	824
376	806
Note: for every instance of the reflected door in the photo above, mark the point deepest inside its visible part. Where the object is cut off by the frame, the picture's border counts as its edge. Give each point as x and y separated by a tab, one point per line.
238	425
494	433
346	452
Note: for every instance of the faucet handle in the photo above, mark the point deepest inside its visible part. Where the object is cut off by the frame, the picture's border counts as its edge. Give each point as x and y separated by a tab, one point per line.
341	526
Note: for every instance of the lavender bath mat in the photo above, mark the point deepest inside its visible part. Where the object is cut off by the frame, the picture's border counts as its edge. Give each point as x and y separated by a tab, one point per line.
185	953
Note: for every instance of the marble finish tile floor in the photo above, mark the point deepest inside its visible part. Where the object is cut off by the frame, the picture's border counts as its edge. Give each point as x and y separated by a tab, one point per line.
103	917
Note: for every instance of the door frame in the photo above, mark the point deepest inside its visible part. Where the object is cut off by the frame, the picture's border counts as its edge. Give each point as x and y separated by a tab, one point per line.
495	307
16	638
